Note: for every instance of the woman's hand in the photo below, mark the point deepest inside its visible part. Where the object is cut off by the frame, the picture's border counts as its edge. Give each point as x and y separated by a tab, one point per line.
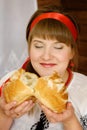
61	117
68	117
8	112
10	109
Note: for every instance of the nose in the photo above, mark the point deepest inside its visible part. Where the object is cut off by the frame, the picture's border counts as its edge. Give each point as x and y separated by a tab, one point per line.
47	54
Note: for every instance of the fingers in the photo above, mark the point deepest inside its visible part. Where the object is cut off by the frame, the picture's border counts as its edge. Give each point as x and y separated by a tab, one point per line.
14	111
58	117
23	108
6	106
48	113
69	106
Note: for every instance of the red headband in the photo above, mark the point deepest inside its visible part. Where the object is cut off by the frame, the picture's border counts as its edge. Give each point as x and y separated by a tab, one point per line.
57	16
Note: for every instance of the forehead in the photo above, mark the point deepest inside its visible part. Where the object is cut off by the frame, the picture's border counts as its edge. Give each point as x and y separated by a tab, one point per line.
41	39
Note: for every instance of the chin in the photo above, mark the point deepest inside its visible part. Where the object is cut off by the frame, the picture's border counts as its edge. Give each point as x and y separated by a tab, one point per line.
45	73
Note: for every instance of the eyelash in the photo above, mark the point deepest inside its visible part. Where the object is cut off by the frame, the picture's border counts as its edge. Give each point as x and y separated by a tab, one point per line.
58	47
38	46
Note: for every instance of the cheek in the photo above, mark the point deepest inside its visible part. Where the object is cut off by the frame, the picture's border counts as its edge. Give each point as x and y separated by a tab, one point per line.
65	56
33	55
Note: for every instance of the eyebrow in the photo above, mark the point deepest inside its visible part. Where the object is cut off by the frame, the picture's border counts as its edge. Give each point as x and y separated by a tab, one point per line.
37	41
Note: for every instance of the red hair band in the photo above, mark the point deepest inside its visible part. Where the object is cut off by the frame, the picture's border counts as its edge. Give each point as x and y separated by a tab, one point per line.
57	16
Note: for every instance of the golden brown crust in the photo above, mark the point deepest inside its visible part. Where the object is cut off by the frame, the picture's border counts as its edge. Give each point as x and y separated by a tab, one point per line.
17	88
16	91
49	90
52	94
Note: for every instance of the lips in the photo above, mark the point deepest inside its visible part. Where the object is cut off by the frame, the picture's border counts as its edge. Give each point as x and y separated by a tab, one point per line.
47	65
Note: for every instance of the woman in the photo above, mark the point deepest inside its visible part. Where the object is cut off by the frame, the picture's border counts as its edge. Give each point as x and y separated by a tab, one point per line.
51	37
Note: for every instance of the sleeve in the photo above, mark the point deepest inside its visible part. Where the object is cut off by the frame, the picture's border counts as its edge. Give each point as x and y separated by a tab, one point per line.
83	106
83	103
78	96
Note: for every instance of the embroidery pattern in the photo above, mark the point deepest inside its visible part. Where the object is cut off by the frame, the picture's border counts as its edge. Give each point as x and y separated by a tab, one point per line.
42	124
84	122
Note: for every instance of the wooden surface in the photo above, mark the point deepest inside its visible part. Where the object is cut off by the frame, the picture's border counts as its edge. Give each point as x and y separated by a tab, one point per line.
78	8
41	3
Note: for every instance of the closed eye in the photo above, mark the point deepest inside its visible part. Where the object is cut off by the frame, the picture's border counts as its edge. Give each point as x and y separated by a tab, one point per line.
38	46
58	47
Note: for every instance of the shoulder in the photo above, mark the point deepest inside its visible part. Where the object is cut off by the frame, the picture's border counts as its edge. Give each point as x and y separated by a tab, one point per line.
79	76
79	80
79	97
6	77
78	84
78	92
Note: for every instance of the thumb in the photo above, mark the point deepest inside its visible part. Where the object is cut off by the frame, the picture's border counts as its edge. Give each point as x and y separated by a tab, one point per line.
70	106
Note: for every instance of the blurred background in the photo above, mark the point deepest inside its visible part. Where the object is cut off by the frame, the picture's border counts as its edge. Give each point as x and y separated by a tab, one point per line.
14	17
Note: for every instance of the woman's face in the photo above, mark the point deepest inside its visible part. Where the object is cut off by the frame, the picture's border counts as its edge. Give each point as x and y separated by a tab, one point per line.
49	55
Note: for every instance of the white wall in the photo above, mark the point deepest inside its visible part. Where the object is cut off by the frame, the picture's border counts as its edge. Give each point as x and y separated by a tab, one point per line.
14	17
